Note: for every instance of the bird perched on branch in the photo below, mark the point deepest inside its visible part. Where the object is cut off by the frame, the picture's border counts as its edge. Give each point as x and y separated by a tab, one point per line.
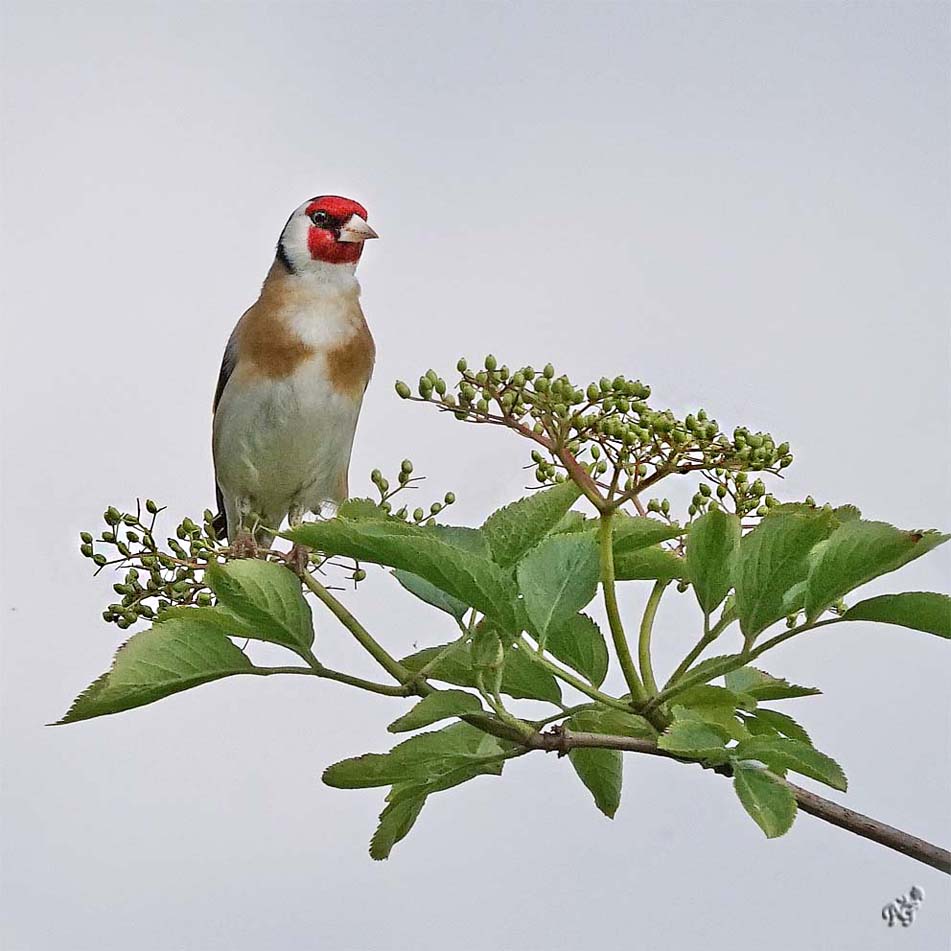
292	379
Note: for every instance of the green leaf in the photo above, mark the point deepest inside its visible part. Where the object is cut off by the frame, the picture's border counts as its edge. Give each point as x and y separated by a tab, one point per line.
557	579
633	532
771	559
428	592
781	752
173	655
437	706
602	772
920	610
856	553
710	695
763	686
580	645
711	546
715	706
782	723
442	555
649	564
571	522
612	722
395	822
521	678
514	529
421	759
267	597
694	739
767	799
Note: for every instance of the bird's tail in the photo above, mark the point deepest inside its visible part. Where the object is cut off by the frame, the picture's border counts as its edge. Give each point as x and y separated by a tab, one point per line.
220	522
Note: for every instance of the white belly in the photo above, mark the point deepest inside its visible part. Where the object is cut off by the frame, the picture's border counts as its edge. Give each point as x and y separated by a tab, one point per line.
281	443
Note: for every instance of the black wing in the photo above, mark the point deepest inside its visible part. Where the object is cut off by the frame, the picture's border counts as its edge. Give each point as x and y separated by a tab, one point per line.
228	363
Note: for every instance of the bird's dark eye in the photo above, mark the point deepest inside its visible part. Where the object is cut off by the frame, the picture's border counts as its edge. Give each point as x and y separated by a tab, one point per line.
320	218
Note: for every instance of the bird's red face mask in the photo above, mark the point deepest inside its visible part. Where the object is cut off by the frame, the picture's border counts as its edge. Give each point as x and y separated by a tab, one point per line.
338	228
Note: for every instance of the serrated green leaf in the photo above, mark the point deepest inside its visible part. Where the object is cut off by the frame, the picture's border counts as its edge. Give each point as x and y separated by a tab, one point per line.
649	564
711	546
710	695
516	528
521	678
782	723
428	592
420	759
925	611
781	752
771	559
442	555
634	532
721	720
437	706
857	552
767	799
173	655
600	770
612	722
571	522
557	579
763	686
267	597
580	645
694	739
395	822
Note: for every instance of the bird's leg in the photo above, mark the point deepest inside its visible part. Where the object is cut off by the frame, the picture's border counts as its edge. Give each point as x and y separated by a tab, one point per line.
244	545
298	558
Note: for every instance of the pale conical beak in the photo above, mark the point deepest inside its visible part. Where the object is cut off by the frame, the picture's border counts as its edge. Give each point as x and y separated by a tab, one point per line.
356	230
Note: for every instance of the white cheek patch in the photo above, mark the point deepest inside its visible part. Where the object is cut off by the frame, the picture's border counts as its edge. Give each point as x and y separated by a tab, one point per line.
294	240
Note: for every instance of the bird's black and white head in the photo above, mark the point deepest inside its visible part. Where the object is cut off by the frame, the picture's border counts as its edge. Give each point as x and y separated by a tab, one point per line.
327	230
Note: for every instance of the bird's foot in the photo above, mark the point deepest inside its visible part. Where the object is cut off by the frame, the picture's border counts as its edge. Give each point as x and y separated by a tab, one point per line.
244	546
298	558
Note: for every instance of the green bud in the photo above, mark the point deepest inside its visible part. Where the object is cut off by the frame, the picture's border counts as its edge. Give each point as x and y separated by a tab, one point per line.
359	575
704	489
85	537
151	507
490	363
86	550
402	390
665	507
462	365
418	515
99	560
440	386
450	497
112	515
108	537
425	387
548	371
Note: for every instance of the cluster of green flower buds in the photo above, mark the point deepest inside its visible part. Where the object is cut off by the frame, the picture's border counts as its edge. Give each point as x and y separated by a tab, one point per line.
155	577
608	428
405	480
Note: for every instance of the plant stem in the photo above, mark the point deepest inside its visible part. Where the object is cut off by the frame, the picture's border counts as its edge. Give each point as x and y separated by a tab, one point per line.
815	805
709	636
569	678
735	661
644	638
392	666
317	669
606	550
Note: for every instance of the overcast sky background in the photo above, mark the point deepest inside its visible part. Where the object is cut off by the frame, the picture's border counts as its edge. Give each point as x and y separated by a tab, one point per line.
746	205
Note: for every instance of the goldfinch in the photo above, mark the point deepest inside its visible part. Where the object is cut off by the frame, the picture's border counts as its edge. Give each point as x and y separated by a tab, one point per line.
293	377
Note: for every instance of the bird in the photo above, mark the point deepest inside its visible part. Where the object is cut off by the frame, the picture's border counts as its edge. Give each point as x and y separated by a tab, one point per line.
292	380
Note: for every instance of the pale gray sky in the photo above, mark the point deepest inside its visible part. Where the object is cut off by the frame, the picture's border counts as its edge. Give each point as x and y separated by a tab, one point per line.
744	204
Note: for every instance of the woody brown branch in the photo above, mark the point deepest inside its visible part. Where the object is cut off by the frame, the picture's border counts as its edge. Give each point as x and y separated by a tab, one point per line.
563	740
